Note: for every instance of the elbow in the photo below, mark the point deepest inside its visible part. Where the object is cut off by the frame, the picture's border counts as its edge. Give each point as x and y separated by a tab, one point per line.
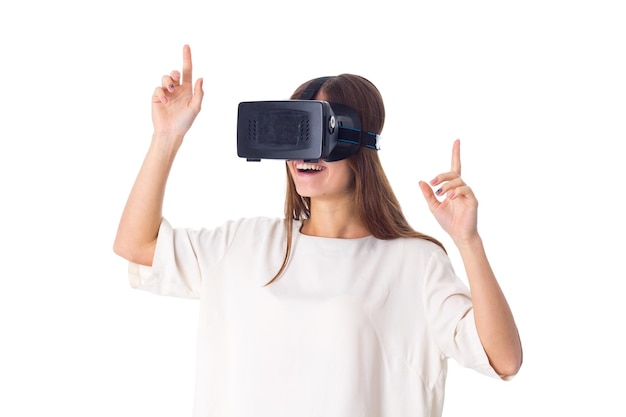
134	253
510	365
509	369
122	250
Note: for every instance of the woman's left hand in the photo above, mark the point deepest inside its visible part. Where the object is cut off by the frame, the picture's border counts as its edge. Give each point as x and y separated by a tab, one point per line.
457	213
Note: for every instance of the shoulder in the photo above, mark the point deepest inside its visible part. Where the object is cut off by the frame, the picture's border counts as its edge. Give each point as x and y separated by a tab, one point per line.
230	229
414	253
248	223
407	250
414	245
257	229
259	223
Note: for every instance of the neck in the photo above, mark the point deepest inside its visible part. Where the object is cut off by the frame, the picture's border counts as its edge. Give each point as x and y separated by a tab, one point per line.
337	220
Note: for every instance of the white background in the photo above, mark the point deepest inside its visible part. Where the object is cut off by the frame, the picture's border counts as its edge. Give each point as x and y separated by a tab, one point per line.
535	90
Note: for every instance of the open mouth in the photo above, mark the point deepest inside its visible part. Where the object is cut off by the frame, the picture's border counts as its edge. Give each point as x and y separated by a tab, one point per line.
307	168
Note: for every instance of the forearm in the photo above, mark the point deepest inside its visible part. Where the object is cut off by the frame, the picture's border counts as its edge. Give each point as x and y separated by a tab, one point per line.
139	225
494	320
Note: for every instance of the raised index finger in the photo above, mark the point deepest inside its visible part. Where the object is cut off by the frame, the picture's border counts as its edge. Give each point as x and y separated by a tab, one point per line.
456	157
187	67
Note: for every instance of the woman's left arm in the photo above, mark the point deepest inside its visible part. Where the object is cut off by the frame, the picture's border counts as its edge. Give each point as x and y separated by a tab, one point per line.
457	215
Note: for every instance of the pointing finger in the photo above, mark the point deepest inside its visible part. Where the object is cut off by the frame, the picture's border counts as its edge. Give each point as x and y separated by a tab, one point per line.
187	66
456	157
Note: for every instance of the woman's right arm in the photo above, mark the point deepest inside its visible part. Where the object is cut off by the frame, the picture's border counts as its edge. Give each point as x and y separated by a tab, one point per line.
175	105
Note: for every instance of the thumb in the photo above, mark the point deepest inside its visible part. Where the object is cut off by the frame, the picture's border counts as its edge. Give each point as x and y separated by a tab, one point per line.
198	95
429	195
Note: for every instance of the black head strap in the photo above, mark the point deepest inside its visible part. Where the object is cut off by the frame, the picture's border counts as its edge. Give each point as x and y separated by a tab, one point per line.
350	138
359	137
311	90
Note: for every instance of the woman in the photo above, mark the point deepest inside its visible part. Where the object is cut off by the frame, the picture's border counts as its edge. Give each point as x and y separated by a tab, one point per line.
341	308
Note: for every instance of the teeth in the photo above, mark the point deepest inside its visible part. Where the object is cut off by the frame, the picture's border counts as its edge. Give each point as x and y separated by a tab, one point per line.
309	167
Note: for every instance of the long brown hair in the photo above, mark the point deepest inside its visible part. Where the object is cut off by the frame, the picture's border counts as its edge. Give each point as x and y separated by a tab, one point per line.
374	200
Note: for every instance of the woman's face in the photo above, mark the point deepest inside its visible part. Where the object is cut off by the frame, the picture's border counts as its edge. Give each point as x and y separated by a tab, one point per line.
322	180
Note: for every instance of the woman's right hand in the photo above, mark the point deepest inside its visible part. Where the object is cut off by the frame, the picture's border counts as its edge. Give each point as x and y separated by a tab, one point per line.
175	104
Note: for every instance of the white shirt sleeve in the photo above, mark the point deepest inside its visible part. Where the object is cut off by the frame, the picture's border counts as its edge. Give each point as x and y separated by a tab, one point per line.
183	258
451	316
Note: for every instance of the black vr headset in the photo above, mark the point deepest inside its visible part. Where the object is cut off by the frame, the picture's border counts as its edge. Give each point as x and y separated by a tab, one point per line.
300	129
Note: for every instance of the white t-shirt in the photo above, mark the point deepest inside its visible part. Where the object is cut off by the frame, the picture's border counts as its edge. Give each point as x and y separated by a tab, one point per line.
354	328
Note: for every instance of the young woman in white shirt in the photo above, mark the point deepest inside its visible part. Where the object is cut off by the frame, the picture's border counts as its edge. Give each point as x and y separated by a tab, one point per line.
340	308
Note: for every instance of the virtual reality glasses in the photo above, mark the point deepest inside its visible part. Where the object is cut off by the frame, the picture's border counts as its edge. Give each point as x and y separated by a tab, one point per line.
300	129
